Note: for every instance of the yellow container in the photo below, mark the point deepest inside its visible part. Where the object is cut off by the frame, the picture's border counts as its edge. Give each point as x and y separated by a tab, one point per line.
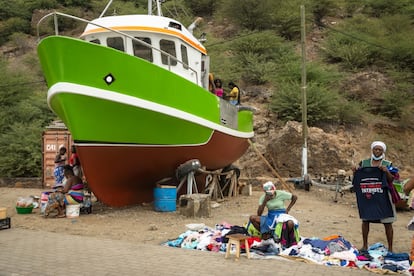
3	213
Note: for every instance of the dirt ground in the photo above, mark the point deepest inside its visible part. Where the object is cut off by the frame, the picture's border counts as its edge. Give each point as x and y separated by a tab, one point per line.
318	214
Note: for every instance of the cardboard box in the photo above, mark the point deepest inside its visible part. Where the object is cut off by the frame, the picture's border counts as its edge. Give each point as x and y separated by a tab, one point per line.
3	213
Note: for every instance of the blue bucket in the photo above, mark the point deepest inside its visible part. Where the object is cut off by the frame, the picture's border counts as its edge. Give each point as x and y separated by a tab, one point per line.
165	199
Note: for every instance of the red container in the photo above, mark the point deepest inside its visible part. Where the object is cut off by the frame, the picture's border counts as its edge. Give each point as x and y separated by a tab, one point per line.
55	135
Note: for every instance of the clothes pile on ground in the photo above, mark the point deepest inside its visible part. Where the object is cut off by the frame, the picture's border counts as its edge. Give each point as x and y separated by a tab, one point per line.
330	251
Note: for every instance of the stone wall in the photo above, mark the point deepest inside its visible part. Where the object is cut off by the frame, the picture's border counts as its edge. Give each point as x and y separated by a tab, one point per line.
21	182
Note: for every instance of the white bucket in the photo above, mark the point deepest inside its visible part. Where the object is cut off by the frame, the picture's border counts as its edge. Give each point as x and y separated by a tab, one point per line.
72	211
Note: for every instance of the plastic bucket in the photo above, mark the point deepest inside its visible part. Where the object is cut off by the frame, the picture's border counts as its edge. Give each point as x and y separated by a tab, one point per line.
165	199
72	211
44	198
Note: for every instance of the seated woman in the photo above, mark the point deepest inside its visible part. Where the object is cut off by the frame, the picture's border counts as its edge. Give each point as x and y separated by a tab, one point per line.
71	193
276	222
73	189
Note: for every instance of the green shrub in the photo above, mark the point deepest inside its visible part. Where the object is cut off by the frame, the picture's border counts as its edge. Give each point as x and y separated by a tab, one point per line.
354	44
378	8
322	103
13	25
202	7
286	18
394	104
249	14
351	112
260	56
23	114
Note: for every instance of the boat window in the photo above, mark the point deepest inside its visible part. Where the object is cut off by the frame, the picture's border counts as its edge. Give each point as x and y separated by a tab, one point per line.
174	25
95	41
169	47
203	66
141	50
184	56
116	43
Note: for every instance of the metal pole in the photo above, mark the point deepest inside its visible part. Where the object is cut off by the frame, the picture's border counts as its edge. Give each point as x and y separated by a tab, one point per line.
149	7
106	8
304	103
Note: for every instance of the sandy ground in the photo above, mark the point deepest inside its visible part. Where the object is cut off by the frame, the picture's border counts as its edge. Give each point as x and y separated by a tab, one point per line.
318	214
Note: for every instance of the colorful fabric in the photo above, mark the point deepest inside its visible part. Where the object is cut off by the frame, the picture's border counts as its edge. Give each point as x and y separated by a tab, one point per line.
74	159
234	93
252	231
269	187
75	195
219	92
58	173
287	239
55	200
267	222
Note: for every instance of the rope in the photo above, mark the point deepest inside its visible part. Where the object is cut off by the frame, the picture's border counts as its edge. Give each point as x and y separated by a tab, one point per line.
284	185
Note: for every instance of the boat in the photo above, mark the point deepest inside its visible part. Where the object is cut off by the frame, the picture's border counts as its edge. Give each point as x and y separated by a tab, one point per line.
133	92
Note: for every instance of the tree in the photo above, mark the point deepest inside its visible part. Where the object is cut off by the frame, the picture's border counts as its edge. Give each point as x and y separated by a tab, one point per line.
23	115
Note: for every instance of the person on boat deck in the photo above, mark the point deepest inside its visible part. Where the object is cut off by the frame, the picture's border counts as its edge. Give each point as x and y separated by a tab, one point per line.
211	85
75	162
60	162
377	159
234	95
275	200
219	88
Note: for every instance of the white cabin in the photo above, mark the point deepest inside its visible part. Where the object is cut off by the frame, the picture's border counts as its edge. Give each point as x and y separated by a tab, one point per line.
159	40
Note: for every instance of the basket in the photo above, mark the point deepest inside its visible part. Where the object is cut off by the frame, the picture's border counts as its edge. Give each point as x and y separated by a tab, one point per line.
24	210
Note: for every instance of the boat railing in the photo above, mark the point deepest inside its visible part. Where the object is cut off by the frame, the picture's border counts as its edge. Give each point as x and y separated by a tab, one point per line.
55	15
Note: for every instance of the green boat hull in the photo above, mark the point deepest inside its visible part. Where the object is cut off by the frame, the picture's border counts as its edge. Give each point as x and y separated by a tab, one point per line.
134	122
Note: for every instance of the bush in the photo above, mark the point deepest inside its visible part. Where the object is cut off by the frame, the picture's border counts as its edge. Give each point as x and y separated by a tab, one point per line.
259	56
378	8
286	18
354	44
13	25
23	114
250	14
202	7
322	103
394	104
351	112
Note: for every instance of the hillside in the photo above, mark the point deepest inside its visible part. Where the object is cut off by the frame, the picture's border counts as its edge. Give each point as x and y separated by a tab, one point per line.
330	147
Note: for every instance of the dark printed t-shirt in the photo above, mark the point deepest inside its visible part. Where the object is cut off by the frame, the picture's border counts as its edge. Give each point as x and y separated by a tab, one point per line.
371	189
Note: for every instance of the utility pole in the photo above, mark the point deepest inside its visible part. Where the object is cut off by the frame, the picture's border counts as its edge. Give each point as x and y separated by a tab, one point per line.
304	103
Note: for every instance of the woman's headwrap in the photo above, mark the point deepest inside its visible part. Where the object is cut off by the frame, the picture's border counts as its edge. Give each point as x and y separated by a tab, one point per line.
269	187
379	143
382	145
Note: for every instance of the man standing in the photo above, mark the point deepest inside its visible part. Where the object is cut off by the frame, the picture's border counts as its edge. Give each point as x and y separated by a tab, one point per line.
371	182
